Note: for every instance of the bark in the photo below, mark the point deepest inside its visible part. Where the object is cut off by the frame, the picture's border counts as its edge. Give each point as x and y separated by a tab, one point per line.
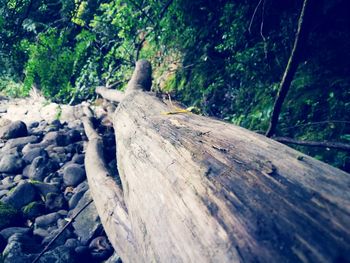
200	190
292	66
108	196
110	94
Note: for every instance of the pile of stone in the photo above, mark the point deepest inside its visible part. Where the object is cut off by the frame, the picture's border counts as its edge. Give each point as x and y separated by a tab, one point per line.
42	186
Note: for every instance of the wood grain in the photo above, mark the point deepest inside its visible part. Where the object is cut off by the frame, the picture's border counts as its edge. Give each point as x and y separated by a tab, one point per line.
197	189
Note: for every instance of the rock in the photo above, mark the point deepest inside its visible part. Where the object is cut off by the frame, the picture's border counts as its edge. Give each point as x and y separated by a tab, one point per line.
7	180
73	136
3	192
19	142
13	130
78	192
33	210
78	158
40	168
47	220
55	202
7	186
23	194
100	248
8	232
3	243
72	243
74	200
13	252
17	247
34	153
66	234
11	163
87	224
114	258
57	124
60	254
40	232
9	216
73	174
31	146
83	253
18	178
55	137
33	124
46	188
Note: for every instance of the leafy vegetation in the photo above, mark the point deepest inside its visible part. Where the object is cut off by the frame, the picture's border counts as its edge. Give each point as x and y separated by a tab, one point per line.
225	57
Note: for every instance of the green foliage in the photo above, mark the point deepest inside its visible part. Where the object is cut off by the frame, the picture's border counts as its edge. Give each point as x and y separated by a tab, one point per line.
213	55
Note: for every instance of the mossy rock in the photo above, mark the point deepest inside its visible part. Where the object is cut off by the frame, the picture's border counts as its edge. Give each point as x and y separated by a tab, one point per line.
9	216
33	209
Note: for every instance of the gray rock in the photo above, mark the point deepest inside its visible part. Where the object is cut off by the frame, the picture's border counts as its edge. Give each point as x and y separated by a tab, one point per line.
66	234
3	243
46	188
17	248
100	248
9	216
18	178
33	124
78	158
87	224
14	130
20	142
60	254
33	210
55	137
7	180
73	174
31	146
7	186
114	258
73	136
41	232
3	192
8	232
23	194
40	168
55	202
47	220
72	243
11	163
33	153
83	253
74	200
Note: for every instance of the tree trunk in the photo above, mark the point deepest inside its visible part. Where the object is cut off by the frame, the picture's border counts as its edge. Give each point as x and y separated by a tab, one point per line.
292	66
197	189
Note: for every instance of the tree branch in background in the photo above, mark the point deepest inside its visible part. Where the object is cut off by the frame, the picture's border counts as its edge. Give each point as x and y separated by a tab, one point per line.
165	8
292	66
161	15
253	17
324	144
315	123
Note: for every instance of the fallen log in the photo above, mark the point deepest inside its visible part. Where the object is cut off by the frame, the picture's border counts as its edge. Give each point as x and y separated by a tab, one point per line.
197	189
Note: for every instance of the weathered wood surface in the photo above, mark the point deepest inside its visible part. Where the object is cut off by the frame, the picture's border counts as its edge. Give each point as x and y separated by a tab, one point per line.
200	190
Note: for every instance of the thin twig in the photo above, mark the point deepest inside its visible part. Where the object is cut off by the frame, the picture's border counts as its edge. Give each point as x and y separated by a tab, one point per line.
58	234
252	19
262	29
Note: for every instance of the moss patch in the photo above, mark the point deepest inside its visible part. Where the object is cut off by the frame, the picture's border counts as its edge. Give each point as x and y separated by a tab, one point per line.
9	216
